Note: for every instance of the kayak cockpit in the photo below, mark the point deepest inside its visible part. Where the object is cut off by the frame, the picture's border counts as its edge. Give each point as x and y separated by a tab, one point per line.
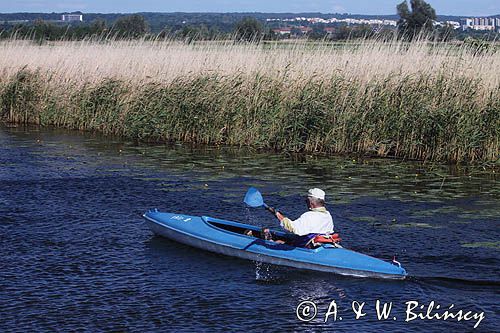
245	229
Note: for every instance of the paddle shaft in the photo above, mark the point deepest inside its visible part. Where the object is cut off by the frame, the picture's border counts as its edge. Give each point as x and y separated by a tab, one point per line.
272	210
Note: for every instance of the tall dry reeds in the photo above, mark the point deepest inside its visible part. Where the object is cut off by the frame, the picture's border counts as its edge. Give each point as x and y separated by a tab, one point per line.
420	100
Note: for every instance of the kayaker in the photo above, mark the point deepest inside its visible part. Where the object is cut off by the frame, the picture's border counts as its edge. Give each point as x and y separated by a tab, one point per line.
316	221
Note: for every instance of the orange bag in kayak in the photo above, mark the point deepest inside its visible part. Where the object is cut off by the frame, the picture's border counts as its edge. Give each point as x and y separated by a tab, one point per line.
322	239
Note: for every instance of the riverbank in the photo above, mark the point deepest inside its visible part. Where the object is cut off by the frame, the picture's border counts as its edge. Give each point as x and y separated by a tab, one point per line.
382	99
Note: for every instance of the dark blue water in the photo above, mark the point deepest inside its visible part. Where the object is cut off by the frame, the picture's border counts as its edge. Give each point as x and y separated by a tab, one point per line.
76	255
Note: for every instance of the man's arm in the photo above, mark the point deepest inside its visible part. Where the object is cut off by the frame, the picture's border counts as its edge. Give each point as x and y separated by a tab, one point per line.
298	226
288	224
285	222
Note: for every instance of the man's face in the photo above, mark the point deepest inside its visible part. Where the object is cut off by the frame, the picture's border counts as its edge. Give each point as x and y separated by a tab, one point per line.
308	202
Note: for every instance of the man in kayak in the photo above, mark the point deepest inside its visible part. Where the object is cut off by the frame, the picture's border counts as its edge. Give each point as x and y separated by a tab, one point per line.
314	222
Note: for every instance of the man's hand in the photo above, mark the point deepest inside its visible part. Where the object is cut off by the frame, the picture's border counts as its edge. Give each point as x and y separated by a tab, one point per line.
279	216
276	213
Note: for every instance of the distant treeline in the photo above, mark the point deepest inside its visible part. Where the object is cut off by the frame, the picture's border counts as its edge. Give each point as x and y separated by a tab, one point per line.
203	26
158	21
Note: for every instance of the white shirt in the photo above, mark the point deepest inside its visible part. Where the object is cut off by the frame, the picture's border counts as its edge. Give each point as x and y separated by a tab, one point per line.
316	221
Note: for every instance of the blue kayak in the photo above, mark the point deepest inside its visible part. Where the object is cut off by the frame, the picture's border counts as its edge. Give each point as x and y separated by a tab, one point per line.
233	239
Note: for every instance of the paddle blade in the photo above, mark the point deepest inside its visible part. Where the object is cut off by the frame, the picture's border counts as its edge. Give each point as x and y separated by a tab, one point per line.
253	198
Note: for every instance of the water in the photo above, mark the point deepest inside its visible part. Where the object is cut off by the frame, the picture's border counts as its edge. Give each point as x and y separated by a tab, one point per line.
76	255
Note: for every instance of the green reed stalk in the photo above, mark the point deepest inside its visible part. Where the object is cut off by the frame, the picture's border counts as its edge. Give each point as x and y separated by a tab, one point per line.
443	115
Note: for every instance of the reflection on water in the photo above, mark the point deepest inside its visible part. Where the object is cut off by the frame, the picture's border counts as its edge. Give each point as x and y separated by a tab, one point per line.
76	252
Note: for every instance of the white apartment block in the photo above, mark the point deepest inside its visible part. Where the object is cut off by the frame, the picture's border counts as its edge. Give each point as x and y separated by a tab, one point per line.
72	18
481	23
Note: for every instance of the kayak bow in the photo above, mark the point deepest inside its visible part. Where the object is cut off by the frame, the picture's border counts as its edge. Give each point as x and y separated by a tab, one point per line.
242	241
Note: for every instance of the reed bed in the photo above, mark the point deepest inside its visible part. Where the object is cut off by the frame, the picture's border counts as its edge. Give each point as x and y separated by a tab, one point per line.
414	101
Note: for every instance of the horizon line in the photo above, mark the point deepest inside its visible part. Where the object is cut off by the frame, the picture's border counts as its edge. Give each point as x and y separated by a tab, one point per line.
219	12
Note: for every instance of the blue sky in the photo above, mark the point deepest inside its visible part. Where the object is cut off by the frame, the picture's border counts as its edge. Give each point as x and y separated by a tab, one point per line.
452	7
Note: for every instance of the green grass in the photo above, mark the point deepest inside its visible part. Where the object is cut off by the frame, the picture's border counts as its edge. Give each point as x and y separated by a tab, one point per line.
490	245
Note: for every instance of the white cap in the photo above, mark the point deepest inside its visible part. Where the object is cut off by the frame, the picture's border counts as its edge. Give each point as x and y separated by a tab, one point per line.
316	193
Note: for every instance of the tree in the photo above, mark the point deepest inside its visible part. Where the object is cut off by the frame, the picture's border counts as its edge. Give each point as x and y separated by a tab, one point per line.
343	33
191	32
132	26
45	31
420	19
363	31
446	33
249	29
318	32
295	32
98	26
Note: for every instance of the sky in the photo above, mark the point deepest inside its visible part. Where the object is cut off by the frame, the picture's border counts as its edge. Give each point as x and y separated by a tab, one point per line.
374	7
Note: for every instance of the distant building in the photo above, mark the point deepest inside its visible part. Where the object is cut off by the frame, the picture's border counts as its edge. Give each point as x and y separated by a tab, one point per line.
305	30
454	24
72	17
481	23
282	31
468	22
316	20
329	30
289	31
